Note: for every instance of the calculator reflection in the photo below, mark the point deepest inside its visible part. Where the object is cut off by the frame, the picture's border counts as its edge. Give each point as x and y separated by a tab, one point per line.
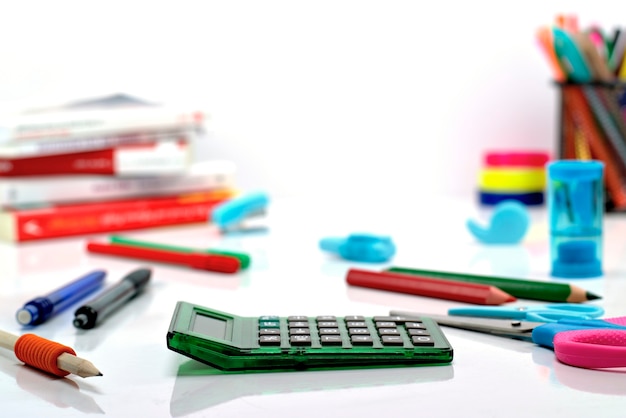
199	387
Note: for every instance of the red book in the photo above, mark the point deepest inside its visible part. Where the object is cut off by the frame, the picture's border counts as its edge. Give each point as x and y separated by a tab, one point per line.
108	216
168	157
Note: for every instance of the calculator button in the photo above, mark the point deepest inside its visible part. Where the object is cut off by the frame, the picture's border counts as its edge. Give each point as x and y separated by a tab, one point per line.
423	341
326	318
269	331
269	340
327	324
414	331
389	318
354	318
388	331
392	340
358	331
356	324
297	318
298	324
385	324
329	331
269	324
361	340
272	318
299	331
418	325
331	340
300	340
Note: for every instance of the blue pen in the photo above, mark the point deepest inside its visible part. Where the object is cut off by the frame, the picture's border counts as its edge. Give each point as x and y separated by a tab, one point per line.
42	308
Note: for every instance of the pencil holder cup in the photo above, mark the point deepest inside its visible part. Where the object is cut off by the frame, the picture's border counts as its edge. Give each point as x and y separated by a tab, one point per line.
575	208
592	127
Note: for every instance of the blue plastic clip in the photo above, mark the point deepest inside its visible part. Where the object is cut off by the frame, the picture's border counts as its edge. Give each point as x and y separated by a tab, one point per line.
231	213
368	248
508	225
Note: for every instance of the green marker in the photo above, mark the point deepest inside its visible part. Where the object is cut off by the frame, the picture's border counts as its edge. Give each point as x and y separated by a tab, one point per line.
244	259
520	288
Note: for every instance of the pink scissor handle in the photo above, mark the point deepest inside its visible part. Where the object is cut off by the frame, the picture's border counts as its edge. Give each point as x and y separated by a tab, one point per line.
591	348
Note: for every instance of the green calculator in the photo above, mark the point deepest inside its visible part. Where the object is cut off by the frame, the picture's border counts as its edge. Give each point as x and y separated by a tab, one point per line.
230	342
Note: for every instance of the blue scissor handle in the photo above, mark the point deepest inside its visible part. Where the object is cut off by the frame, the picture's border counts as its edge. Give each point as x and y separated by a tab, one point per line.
489	312
544	334
557	311
589	310
540	313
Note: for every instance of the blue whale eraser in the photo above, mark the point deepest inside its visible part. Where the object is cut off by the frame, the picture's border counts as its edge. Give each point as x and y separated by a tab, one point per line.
508	224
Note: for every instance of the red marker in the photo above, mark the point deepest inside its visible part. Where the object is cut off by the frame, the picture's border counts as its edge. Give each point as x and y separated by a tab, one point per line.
479	294
202	261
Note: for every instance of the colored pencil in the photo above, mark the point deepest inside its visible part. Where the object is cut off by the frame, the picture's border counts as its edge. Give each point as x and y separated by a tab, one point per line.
243	258
432	287
520	288
202	261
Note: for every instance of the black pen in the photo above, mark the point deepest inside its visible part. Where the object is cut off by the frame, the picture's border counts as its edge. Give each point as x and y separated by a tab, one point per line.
94	311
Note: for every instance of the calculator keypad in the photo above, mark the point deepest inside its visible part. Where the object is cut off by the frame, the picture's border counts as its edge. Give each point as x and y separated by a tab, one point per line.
353	330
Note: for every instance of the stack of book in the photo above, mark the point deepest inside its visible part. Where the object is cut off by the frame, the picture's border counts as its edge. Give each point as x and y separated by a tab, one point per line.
109	164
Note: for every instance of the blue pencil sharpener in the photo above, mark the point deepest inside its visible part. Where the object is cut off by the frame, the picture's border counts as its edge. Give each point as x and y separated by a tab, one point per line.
576	212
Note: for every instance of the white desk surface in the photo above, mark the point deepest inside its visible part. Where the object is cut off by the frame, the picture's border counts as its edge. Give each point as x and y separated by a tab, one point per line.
489	376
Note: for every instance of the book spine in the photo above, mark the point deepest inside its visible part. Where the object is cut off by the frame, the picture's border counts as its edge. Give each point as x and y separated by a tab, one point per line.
72	220
211	175
89	143
62	125
168	157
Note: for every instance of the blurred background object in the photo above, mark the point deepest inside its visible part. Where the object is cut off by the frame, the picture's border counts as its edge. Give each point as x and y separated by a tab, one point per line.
312	98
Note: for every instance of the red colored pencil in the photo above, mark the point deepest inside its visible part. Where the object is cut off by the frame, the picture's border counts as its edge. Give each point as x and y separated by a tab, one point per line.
202	261
476	293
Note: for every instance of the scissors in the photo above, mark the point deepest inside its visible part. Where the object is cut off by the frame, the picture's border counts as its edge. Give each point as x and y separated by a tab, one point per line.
539	313
586	343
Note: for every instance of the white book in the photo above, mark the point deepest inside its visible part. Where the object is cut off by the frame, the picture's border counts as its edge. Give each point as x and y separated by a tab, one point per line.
202	176
93	142
114	114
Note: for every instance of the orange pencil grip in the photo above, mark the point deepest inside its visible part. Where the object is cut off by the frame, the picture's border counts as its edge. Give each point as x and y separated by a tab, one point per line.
41	353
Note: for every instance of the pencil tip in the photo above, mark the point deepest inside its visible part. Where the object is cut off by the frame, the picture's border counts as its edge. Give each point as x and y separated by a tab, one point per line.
591	296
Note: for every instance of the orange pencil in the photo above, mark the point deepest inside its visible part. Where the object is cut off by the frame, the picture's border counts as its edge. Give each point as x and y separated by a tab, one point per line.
544	38
476	293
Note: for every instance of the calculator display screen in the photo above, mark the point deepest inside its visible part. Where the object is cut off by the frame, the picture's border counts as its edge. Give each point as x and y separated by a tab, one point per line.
212	327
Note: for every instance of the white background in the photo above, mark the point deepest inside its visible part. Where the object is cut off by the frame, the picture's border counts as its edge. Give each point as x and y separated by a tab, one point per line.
310	97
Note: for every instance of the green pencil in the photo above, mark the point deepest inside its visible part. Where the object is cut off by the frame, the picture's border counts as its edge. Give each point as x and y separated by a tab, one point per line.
523	289
244	259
